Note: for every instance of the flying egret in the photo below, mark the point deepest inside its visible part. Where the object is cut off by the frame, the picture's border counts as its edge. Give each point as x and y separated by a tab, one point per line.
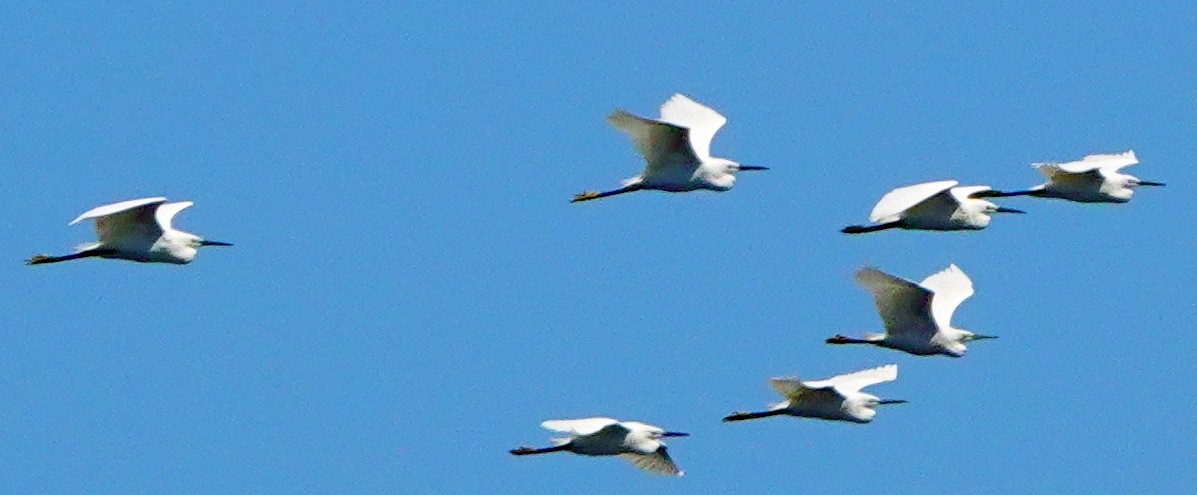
677	149
1092	179
637	442
941	205
136	230
837	398
917	317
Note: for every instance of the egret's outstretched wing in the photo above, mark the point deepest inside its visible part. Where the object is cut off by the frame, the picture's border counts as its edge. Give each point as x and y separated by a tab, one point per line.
663	145
702	121
789	386
903	305
891	206
657	462
581	426
849	383
962	193
114	208
125	221
950	287
1090	163
168	211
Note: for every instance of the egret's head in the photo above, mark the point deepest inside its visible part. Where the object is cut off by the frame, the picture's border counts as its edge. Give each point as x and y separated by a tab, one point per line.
721	172
990	208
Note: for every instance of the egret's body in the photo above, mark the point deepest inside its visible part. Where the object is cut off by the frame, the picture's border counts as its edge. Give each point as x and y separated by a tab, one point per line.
136	230
677	150
838	398
917	317
942	205
1092	179
637	442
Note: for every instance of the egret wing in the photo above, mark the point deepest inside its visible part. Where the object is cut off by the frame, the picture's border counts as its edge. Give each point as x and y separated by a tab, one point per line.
962	193
167	211
849	383
663	145
702	121
789	386
950	287
891	206
657	462
125	221
903	305
114	208
1089	163
580	427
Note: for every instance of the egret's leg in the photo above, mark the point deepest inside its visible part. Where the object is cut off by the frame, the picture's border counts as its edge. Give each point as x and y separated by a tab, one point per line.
863	229
42	259
741	416
589	195
840	339
534	450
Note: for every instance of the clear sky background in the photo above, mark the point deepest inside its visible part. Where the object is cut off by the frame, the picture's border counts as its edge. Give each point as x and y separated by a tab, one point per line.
411	293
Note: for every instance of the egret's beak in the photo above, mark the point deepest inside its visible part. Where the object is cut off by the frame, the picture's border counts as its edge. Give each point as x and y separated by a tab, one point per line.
891	401
1008	210
752	167
675	434
214	243
983	337
1150	183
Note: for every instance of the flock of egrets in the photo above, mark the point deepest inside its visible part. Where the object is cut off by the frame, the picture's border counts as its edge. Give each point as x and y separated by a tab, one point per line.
676	148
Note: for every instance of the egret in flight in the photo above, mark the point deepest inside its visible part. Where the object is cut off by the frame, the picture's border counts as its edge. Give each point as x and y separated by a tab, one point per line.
136	230
1092	179
677	149
917	317
941	205
637	442
837	398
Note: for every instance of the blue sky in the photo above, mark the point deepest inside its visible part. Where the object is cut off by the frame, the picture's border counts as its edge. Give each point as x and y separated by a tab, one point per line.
411	293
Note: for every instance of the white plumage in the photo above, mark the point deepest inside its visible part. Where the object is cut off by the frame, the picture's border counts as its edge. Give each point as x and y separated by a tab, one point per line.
838	398
639	443
676	149
917	317
1092	179
941	205
136	230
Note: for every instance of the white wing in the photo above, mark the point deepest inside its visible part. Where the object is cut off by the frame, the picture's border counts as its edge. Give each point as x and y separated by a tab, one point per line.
702	121
950	287
125	221
963	193
1090	163
904	306
662	145
657	462
890	206
579	427
168	211
123	206
849	383
789	386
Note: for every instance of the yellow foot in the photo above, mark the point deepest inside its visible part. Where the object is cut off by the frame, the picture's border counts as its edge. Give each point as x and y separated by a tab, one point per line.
583	196
37	259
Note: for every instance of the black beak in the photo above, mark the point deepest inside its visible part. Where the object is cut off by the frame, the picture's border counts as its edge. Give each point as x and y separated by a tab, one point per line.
892	401
214	243
752	167
675	434
1008	210
983	337
1150	183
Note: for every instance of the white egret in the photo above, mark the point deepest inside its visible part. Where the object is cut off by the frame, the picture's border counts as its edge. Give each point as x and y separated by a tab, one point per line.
677	149
1092	179
637	442
136	230
837	398
917	317
941	205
